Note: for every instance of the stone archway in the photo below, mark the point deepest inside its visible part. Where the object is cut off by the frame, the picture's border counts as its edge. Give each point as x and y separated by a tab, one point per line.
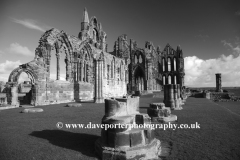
22	93
58	41
139	79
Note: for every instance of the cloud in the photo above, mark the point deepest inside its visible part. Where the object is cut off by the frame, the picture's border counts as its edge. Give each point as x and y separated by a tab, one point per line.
32	24
201	73
6	68
16	48
236	50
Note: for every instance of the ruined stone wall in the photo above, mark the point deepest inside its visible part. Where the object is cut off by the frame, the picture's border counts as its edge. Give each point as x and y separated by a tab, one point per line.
53	92
114	82
113	88
83	91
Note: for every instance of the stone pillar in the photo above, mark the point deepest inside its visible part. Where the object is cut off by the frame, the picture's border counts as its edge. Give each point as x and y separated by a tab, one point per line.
12	94
48	50
68	67
58	66
218	83
81	71
98	82
149	79
126	143
171	98
34	100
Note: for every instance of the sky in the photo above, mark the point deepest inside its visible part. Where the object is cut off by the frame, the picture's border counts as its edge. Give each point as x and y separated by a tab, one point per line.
208	31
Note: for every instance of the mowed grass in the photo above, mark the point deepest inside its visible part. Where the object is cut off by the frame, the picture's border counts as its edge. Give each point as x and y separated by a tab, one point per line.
35	135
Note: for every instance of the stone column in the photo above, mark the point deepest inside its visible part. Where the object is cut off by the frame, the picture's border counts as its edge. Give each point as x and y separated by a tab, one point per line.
78	70
12	94
82	64
67	69
149	79
48	50
218	83
98	82
58	66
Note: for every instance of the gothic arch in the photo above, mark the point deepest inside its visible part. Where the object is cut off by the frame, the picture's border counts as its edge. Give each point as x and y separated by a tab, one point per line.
15	74
139	78
53	36
174	63
86	45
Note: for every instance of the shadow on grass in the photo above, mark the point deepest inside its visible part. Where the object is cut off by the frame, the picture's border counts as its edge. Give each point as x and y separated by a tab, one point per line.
80	142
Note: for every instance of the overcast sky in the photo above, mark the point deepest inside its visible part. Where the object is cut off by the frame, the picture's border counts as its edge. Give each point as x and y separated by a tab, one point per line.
208	31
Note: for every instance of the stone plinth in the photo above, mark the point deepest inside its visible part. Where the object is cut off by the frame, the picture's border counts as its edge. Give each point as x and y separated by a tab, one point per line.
172	97
159	113
12	94
123	142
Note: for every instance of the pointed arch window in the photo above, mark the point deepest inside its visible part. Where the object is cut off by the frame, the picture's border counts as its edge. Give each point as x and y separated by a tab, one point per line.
86	72
169	64
163	64
164	80
140	59
175	79
175	64
136	60
169	79
84	67
108	71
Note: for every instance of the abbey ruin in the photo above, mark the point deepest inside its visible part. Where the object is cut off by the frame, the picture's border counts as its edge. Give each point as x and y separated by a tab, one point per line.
92	72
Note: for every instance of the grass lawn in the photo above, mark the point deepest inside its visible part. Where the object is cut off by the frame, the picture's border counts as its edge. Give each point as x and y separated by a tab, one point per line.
26	136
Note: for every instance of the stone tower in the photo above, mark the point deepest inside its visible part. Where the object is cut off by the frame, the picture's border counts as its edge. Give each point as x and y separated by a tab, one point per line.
85	20
84	25
218	82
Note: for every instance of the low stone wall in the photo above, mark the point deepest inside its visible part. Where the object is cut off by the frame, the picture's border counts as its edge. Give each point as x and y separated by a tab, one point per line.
223	97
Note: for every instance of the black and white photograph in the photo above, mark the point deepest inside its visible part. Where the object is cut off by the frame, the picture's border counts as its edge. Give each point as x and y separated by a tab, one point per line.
119	80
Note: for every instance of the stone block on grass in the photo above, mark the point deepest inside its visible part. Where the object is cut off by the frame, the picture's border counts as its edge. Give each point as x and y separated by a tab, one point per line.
74	105
32	110
159	113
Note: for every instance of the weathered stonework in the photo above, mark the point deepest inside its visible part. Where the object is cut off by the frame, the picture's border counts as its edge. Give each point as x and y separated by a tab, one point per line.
93	73
3	96
149	68
218	83
159	113
126	143
172	97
